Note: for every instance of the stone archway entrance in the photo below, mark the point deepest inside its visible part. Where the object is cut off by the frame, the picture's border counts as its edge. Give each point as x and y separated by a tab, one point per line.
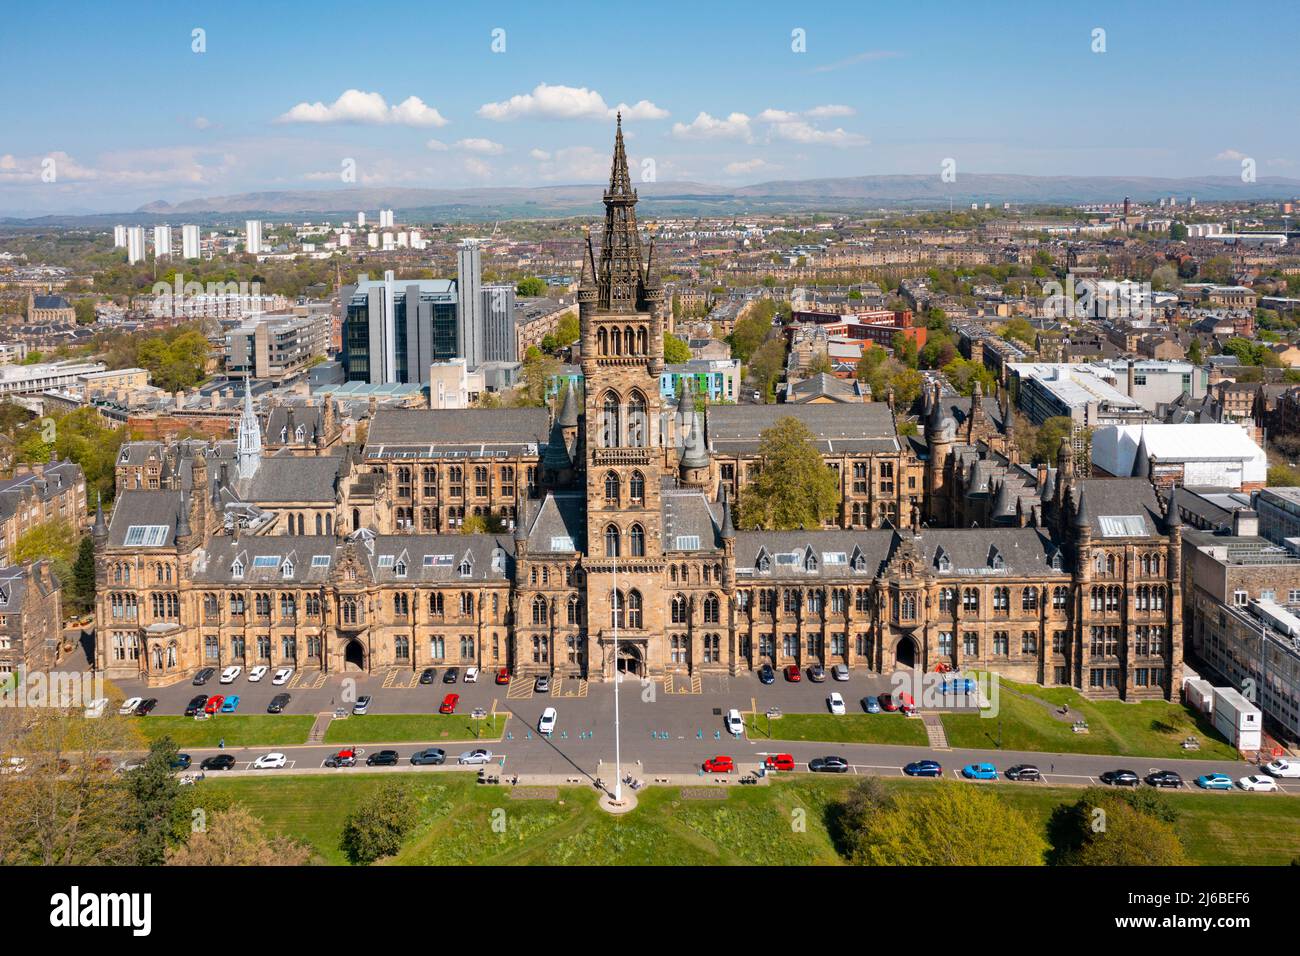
354	655
905	652
630	660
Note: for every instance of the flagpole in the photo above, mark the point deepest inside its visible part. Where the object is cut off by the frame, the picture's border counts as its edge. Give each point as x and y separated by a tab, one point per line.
618	757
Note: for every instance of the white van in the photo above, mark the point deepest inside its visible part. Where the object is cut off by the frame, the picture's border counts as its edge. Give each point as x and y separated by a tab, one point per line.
1281	767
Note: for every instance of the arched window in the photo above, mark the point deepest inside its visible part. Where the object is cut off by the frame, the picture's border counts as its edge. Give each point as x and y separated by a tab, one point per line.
629	341
681	610
616	609
539	610
636	421
602	341
611	541
609	422
637	539
641	347
712	611
634	610
575	609
615	342
611	488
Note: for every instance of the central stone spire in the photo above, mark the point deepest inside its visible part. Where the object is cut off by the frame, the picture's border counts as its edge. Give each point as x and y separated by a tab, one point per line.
620	277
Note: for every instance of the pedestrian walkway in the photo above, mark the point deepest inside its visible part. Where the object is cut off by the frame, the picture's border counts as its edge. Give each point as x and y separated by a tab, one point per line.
935	732
321	725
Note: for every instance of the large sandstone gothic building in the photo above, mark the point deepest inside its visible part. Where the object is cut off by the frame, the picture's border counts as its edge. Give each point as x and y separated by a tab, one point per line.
619	510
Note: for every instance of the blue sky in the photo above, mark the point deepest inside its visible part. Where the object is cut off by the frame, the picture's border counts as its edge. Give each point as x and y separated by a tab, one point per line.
116	97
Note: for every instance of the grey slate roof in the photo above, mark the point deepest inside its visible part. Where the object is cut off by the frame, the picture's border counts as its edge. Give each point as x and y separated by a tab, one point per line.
1121	497
144	507
53	480
866	427
688	513
293	478
462	429
561	514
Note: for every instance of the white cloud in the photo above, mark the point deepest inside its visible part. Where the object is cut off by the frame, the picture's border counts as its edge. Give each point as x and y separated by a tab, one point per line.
355	106
573	164
747	166
476	167
1231	154
437	145
201	122
566	103
704	126
539	154
777	116
830	110
479	145
801	132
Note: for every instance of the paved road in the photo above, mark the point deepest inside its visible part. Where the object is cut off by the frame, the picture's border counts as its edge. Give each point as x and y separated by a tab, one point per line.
661	732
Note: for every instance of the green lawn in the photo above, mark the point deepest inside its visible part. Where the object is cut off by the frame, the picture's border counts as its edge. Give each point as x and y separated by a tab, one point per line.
251	730
413	728
787	823
1152	728
848	728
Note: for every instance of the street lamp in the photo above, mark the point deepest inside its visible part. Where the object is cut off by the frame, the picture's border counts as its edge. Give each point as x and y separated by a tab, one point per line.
618	764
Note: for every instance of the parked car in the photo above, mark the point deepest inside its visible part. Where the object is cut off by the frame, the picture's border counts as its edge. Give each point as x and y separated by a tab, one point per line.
1024	772
719	764
231	704
448	705
430	757
471	675
957	686
816	673
428	675
129	705
230	673
542	685
382	758
203	676
924	768
792	674
979	771
887	703
282	676
1120	778
344	758
840	672
1164	778
836	704
270	762
219	762
906	704
214	704
278	703
828	765
182	762
195	706
1281	767
451	675
1258	783
361	705
503	676
735	723
1214	781
870	705
257	673
779	762
546	725
766	675
477	755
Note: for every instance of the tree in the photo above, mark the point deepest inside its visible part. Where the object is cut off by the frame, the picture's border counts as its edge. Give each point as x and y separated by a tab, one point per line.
1105	828
235	837
81	590
766	365
676	351
905	349
751	331
951	825
530	287
568	331
153	789
794	487
1194	354
1019	329
535	377
1050	434
377	827
1177	232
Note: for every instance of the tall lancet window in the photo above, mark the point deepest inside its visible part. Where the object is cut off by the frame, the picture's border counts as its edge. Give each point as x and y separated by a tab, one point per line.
609	422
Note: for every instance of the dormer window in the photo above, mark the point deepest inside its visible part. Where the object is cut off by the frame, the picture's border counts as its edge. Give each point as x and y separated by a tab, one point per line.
299	434
237	569
465	569
810	562
995	559
1056	561
942	561
286	569
399	569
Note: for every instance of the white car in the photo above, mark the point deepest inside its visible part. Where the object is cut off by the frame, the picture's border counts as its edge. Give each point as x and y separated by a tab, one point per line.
230	673
257	673
471	675
129	705
1258	783
282	676
96	708
1281	767
735	723
840	672
836	703
547	723
270	762
475	756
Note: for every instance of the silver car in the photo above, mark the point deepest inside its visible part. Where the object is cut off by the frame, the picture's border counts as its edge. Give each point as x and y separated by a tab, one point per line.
478	755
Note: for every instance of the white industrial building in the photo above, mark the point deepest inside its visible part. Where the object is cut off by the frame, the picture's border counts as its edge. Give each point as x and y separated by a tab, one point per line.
1197	455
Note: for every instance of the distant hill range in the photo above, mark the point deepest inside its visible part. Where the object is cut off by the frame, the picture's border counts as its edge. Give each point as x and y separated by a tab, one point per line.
847	194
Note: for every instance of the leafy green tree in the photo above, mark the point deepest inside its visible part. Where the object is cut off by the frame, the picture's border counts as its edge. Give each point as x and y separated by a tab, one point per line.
1103	828
951	825
794	487
1050	434
1178	232
905	349
568	330
82	585
1194	353
530	287
379	825
234	837
676	351
154	789
766	365
1019	329
751	331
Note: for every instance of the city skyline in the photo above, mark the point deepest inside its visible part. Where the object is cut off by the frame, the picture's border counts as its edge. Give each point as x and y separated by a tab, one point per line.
506	99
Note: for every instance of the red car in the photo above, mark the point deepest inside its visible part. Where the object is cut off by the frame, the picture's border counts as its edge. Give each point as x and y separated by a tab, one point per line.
720	764
906	704
887	702
503	676
792	674
449	704
213	706
779	762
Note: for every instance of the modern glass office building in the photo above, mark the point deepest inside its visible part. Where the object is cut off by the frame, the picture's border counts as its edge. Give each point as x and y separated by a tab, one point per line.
393	329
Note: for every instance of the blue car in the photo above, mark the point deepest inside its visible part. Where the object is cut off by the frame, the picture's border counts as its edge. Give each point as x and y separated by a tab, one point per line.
979	771
229	706
871	705
1214	781
923	768
766	675
958	685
